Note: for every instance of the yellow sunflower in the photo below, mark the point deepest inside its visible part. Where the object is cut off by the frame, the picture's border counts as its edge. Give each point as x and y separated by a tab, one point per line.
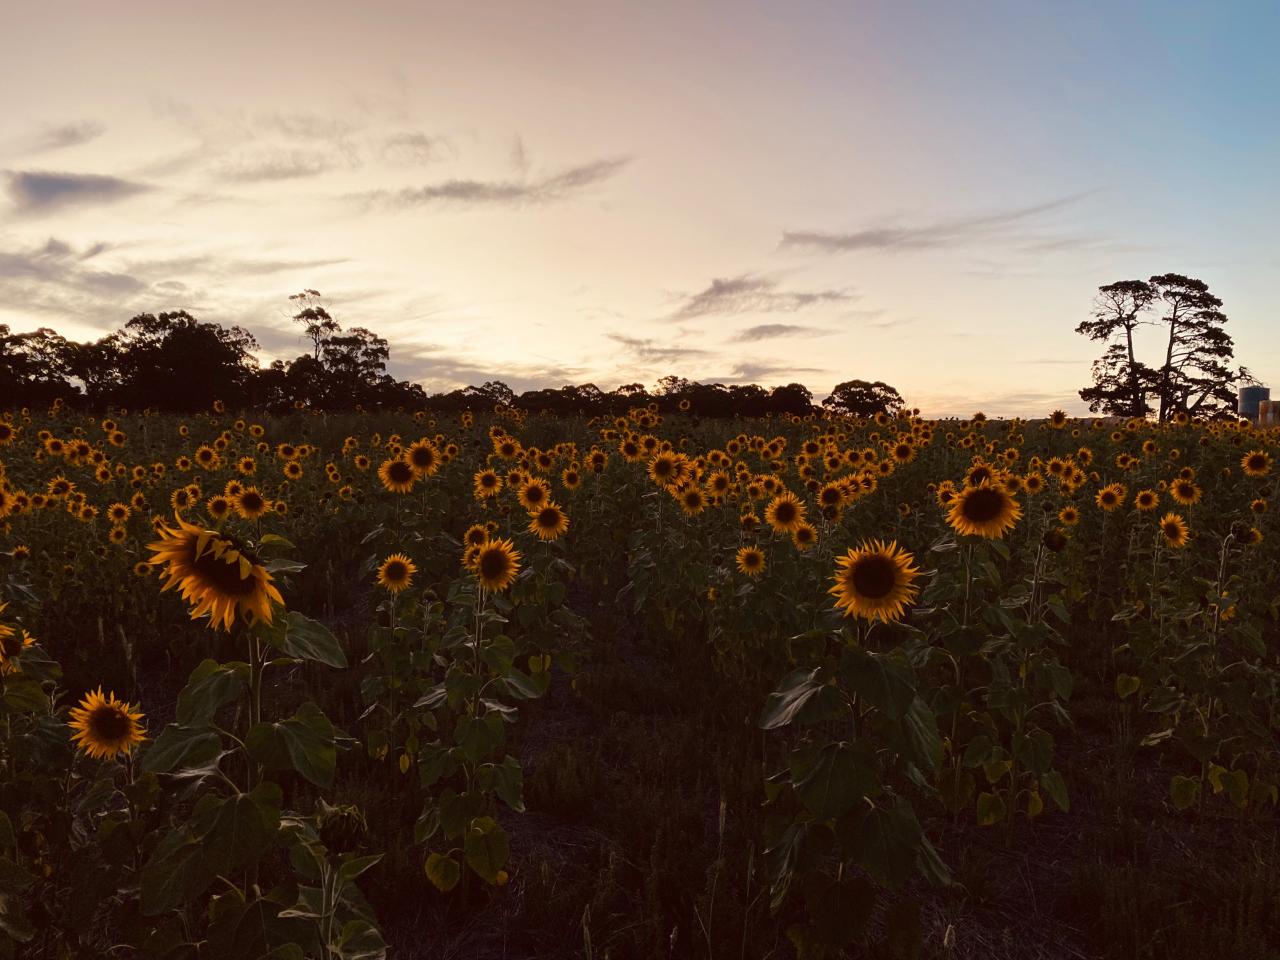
250	504
1146	500
785	512
986	510
1184	492
396	573
11	644
105	726
496	564
424	458
804	536
1110	497
397	475
1256	463
485	484
750	560
215	574
875	581
1175	531
534	494
548	522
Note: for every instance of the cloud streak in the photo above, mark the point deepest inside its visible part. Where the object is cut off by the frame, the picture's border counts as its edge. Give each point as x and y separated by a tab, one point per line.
33	191
952	232
649	351
748	293
510	193
772	331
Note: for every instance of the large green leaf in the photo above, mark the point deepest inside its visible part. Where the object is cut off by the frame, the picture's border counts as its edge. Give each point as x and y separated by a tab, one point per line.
180	747
486	847
175	873
212	685
297	635
305	743
443	872
831	780
886	685
240	830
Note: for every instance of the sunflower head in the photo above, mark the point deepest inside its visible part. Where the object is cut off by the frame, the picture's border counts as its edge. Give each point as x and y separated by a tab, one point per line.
397	475
785	512
104	727
396	573
495	564
548	522
750	560
986	510
875	581
1174	530
215	574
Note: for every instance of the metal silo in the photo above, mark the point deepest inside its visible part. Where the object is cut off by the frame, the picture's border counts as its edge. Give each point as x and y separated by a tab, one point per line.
1250	398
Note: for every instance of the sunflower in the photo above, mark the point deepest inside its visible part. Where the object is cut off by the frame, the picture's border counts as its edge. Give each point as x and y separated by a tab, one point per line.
118	512
105	726
250	504
485	484
804	536
1146	500
875	581
293	469
1184	492
476	535
785	512
496	564
1057	419
1256	463
396	573
571	478
692	501
750	561
216	575
1175	531
663	469
548	522
397	475
986	510
534	494
424	458
1110	497
11	644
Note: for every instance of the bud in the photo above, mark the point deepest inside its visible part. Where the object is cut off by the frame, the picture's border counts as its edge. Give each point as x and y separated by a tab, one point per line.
1054	539
342	828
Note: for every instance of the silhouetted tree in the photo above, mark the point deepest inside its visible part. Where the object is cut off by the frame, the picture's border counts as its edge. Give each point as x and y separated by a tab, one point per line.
862	398
317	325
1195	376
1120	381
35	367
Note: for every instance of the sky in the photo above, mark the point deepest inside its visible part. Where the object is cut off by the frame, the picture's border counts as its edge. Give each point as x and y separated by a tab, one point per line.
927	194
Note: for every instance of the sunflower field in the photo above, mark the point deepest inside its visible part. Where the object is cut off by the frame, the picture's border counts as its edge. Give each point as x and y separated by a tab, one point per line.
499	685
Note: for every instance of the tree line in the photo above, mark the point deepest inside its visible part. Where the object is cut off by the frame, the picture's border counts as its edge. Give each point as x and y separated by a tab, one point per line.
174	362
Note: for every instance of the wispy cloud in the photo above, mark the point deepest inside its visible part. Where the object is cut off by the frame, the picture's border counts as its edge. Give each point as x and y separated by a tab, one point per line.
274	165
950	232
37	191
751	372
650	351
771	331
62	136
515	193
412	148
748	293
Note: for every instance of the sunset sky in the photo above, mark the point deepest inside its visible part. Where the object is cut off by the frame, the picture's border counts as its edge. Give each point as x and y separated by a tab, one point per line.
561	192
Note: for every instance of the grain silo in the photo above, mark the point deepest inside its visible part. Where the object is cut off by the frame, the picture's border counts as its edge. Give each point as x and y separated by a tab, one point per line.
1249	400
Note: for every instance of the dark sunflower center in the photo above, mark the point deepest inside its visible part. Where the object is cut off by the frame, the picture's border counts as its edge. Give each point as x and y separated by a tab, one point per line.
874	576
396	571
549	518
534	494
108	724
493	564
423	457
982	505
252	502
663	468
1257	462
10	644
1171	530
400	472
785	512
224	577
488	480
751	560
